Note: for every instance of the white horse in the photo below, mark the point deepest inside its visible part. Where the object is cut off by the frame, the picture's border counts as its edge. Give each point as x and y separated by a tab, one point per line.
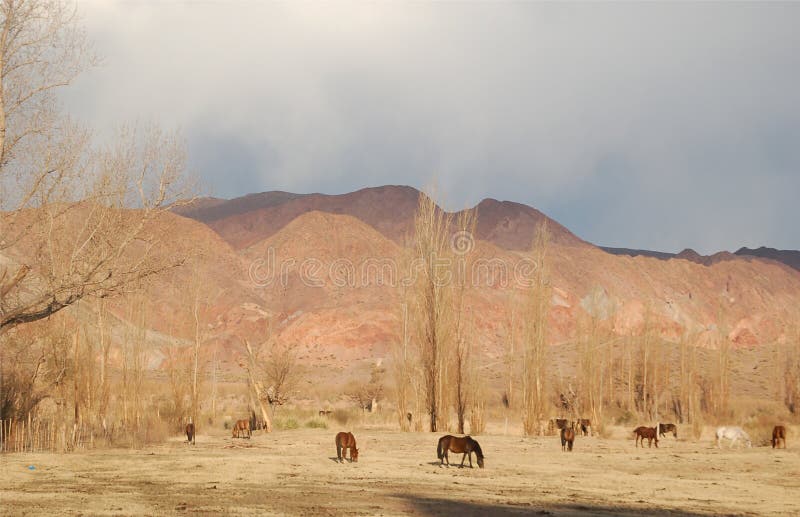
733	434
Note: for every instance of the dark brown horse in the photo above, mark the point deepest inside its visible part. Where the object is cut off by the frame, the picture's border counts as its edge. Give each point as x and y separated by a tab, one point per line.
778	434
568	437
460	445
346	441
646	432
584	425
241	429
663	429
190	432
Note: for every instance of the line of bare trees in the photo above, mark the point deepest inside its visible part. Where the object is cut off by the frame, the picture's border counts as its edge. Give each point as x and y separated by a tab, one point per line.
640	375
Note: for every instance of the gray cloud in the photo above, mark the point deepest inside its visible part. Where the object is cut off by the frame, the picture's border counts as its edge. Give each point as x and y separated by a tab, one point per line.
660	126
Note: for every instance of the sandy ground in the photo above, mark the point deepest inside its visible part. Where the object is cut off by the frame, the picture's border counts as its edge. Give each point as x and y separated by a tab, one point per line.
295	473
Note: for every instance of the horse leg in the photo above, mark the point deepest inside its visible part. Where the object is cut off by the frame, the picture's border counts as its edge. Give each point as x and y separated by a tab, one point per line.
470	458
463	457
339	453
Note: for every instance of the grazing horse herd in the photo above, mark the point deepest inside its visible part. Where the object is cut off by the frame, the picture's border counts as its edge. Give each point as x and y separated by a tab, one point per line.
466	445
569	429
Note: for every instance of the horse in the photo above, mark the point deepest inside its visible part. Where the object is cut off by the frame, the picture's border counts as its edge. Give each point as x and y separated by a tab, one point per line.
325	412
584	426
241	427
778	434
346	441
733	434
464	444
643	432
568	437
667	428
190	432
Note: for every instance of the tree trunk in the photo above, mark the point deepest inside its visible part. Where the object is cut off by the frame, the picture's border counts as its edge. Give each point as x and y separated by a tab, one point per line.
255	386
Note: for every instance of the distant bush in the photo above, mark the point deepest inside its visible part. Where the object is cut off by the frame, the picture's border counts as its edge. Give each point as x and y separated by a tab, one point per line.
285	424
601	430
626	418
316	423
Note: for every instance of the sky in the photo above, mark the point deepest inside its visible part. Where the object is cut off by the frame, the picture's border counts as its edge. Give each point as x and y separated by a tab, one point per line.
642	125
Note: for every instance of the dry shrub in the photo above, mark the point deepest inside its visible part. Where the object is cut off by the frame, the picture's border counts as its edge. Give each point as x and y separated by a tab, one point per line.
316	423
286	423
759	428
150	431
627	418
600	429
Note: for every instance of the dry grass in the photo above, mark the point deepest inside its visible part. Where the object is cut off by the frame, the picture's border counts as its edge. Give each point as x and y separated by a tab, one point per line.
293	473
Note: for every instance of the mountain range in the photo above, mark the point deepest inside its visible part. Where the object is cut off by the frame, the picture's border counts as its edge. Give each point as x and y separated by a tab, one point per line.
254	256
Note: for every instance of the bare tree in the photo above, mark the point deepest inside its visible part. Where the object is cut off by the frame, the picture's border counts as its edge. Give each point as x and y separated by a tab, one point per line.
432	304
255	387
281	372
791	370
403	373
534	352
65	219
722	367
461	382
179	377
367	394
199	303
464	330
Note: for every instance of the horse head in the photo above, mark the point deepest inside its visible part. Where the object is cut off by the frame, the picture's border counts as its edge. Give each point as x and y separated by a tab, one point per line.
480	461
354	455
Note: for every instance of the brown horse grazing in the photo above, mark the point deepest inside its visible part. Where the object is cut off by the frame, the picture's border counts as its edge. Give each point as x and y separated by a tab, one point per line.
460	445
568	438
190	432
346	441
778	434
663	429
241	429
584	426
646	432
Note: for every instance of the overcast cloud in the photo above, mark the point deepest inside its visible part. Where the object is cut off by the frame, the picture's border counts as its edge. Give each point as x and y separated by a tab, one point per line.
659	126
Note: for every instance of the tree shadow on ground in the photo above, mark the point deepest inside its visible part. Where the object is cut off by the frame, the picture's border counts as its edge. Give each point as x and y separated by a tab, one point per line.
441	506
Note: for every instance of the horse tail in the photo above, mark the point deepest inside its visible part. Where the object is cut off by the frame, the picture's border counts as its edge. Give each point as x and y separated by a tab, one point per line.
440	448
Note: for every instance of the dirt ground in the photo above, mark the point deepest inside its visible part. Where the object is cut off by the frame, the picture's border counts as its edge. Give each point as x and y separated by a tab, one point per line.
295	473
